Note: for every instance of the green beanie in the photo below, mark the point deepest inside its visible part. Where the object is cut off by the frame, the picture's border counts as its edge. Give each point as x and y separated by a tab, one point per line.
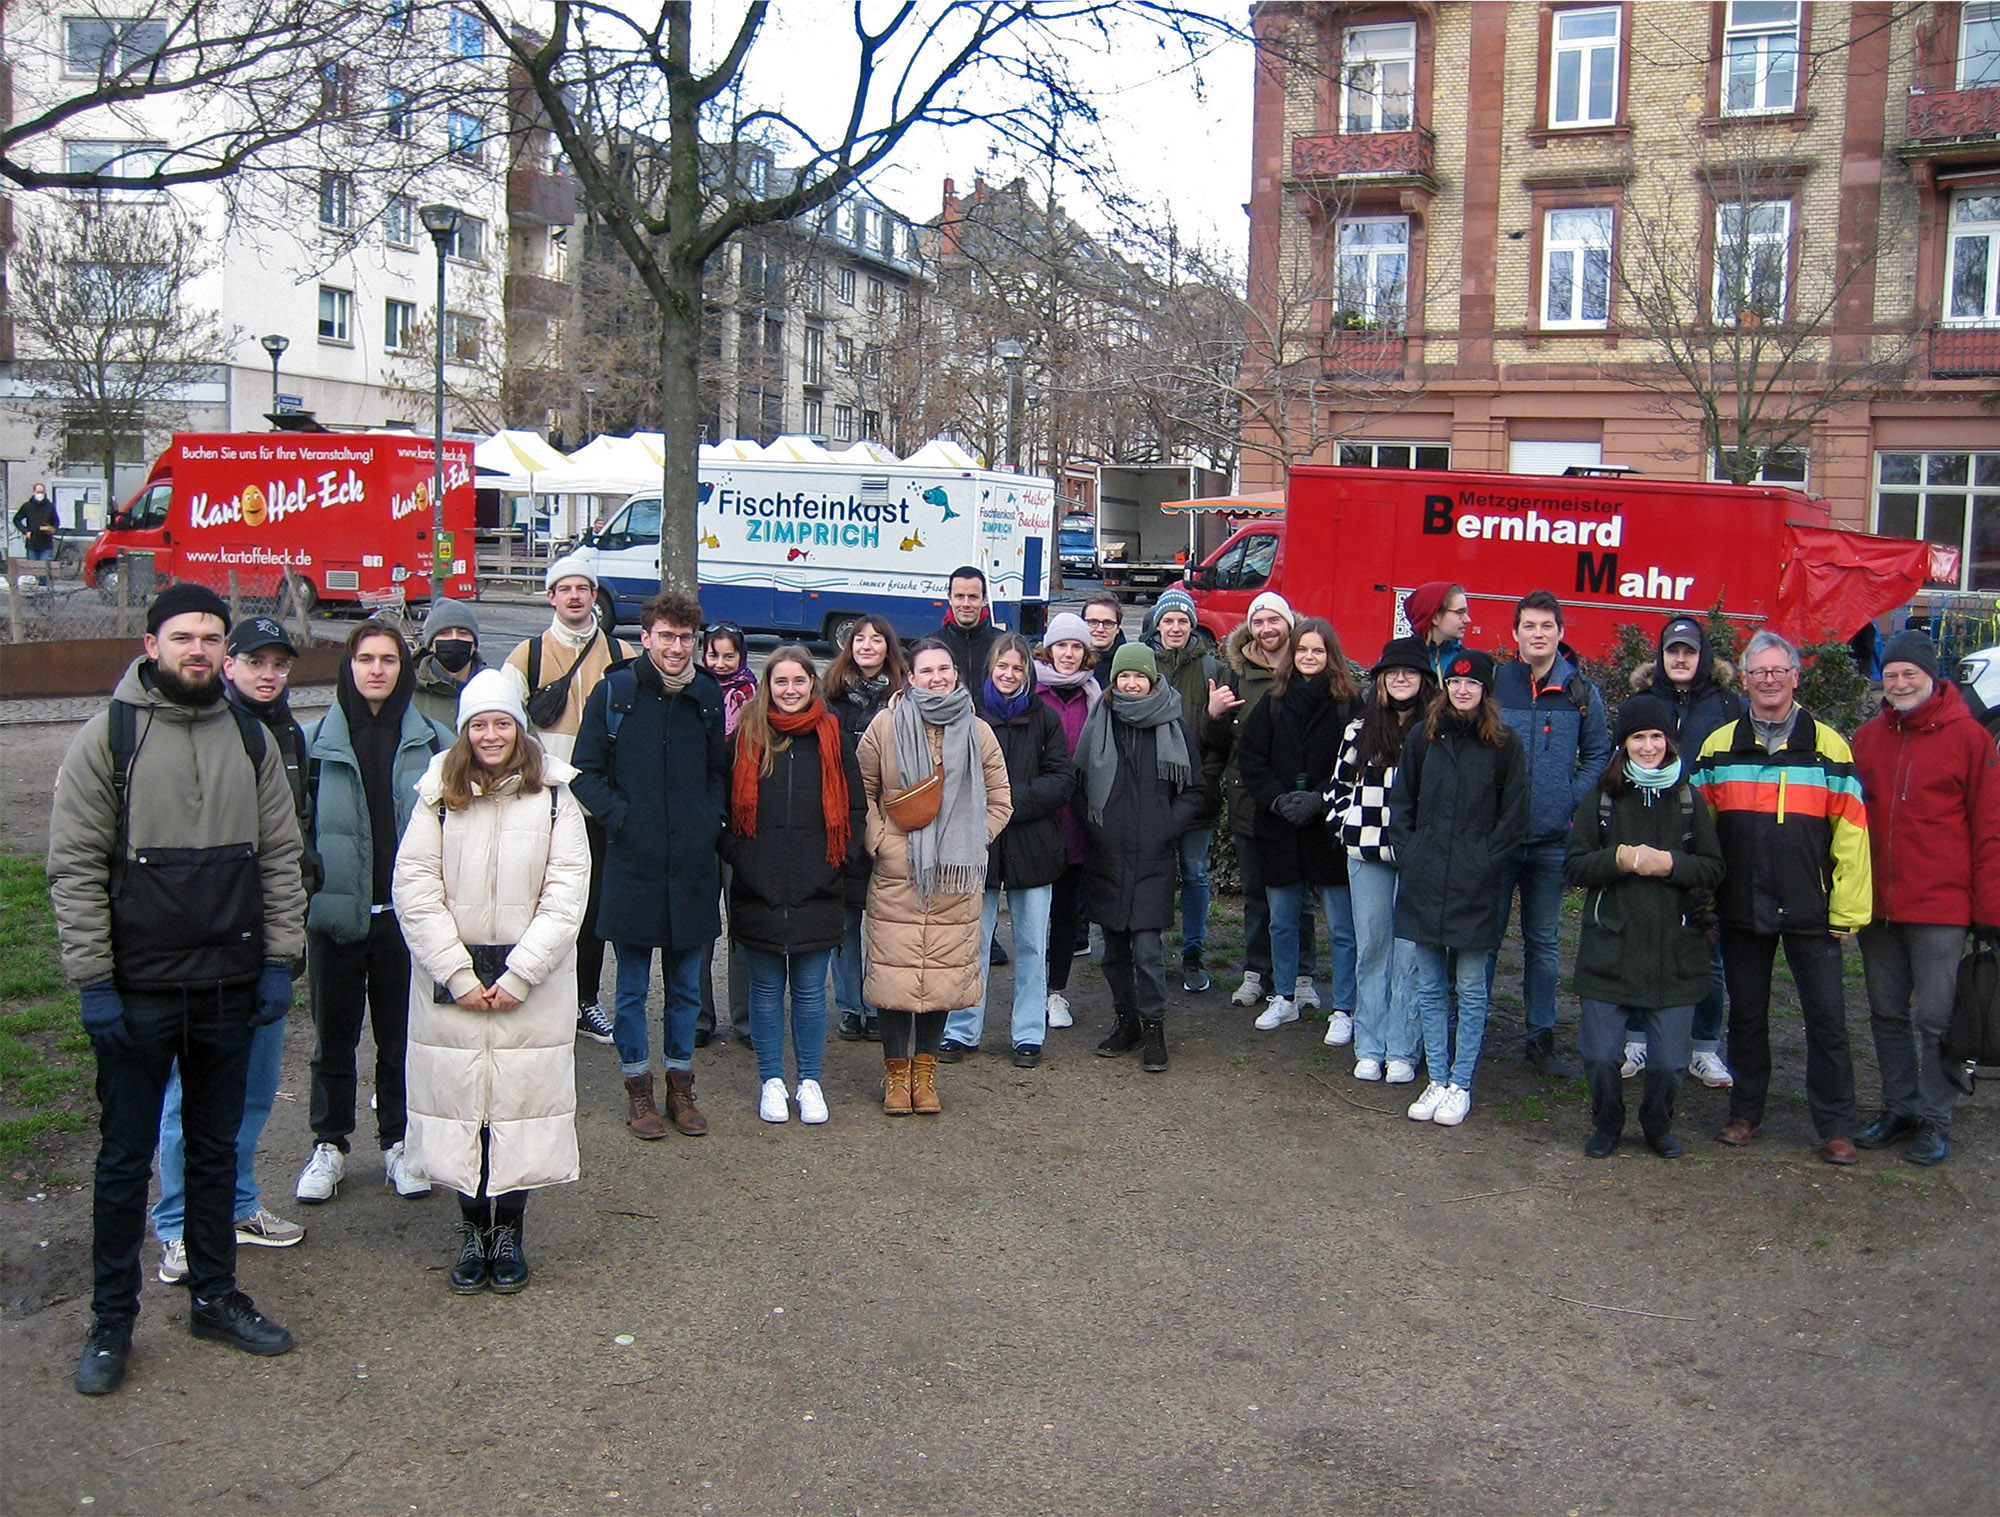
1135	656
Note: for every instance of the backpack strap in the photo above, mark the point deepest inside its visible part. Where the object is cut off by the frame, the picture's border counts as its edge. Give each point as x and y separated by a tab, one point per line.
621	695
1684	791
123	731
534	663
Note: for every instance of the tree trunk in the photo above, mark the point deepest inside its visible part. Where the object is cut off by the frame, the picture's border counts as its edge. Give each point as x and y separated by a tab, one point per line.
680	422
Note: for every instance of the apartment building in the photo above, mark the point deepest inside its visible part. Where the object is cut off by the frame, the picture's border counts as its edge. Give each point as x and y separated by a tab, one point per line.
1750	239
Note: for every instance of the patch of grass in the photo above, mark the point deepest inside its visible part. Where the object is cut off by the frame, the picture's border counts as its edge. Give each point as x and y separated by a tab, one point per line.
1528	1108
26	1137
27	931
44	1052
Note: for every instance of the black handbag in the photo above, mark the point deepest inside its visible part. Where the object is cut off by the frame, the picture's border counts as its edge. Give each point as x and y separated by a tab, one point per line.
489	962
547	704
1973	1038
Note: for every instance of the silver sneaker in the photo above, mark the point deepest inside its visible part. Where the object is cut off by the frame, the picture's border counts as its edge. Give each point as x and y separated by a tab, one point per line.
265	1229
173	1261
1058	1010
396	1168
1250	992
1304	995
321	1177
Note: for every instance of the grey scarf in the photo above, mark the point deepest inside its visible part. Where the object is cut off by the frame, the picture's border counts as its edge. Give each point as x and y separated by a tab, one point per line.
1097	749
949	856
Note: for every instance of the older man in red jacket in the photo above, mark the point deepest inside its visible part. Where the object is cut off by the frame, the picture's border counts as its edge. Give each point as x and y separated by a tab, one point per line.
1930	777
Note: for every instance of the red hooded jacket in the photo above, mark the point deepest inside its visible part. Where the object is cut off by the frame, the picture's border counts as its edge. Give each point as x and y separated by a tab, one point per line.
1930	779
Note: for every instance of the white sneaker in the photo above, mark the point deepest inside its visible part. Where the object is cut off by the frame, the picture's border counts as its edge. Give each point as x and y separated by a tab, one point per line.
1277	1014
1059	1010
267	1229
397	1171
1635	1061
771	1103
322	1175
1303	993
1402	1072
173	1261
1250	992
1452	1109
812	1103
1367	1069
1711	1071
1425	1106
1339	1030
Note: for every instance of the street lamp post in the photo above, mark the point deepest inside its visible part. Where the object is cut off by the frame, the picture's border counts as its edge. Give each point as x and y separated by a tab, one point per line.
274	344
1011	353
589	412
441	221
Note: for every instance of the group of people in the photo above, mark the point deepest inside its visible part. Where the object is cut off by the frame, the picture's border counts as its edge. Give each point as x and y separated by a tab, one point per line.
447	852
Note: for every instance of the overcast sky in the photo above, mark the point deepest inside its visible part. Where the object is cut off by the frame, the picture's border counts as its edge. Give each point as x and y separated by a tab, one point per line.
1178	139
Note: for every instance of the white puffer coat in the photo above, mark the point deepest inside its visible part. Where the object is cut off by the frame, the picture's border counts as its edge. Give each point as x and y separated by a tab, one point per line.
504	870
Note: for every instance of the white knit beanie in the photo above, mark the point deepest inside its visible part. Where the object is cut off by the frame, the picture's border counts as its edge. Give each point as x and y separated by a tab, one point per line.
1271	600
491	690
569	564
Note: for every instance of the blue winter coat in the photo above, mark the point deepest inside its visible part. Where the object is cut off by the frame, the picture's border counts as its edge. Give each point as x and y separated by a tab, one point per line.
1565	737
661	790
341	833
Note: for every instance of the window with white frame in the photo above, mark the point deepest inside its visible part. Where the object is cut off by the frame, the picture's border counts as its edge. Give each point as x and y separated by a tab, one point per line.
871	425
1395	455
468	35
812	364
1372	255
336	200
466	135
1972	293
1760	57
812	417
1773	465
112	161
843	354
1952	499
1378	70
847	287
396	115
399	221
469	241
1576	267
878	293
116	294
1978	44
1752	257
399	325
1583	67
843	423
105	46
464	337
336	314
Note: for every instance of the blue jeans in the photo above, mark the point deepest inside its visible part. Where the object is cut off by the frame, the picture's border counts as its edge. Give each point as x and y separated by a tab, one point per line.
1286	905
1434	976
1538	874
1385	967
681	973
1194	889
260	1091
850	969
770	974
1029	910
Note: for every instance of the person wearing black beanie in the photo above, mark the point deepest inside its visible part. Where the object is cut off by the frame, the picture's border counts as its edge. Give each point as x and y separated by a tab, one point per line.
179	600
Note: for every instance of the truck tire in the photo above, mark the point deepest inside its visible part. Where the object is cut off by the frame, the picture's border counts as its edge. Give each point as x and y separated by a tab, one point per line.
839	628
301	599
106	583
607	613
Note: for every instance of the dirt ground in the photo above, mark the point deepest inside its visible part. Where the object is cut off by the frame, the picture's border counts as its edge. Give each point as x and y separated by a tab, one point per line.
1246	1285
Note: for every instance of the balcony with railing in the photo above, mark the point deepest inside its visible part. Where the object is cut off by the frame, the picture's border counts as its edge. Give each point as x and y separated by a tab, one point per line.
535	295
1964	352
1366	155
1362	353
536	197
1938	120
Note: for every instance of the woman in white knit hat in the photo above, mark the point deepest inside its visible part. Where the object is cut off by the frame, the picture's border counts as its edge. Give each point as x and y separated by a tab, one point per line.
490	885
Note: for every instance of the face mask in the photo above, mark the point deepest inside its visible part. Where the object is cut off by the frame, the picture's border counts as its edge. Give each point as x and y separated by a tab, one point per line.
453	655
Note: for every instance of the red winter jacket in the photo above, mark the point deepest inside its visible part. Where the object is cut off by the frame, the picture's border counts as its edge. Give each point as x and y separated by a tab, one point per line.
1931	781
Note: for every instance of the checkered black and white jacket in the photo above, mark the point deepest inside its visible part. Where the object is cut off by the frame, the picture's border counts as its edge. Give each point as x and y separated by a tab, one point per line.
1358	804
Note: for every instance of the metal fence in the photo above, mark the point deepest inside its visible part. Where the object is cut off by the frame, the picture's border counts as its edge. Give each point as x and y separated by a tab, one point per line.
1959	621
49	601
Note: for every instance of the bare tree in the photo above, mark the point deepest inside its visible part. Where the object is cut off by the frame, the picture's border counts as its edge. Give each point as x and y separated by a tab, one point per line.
656	135
103	289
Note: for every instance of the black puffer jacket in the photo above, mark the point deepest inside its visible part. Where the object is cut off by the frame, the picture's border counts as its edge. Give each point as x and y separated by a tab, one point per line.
783	894
1029	850
1291	742
1135	852
1457	816
856	708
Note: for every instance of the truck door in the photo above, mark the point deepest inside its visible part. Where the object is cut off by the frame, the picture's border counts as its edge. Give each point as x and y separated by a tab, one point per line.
1242	573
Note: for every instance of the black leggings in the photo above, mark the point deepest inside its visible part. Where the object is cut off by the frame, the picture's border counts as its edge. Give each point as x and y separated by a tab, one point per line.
482	1210
900	1029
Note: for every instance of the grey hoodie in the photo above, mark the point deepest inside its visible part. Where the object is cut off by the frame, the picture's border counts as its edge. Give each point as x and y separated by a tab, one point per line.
191	787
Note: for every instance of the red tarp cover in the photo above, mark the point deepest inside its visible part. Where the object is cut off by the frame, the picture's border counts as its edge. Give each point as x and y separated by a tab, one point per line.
1832	582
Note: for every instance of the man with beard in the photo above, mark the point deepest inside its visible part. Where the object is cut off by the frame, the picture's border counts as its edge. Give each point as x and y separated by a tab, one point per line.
174	870
370	749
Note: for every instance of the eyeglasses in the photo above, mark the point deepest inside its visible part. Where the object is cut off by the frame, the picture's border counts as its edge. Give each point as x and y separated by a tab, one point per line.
1100	621
1766	675
674	639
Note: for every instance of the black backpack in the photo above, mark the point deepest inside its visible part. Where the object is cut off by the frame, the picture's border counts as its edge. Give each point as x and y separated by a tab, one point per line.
1973	1037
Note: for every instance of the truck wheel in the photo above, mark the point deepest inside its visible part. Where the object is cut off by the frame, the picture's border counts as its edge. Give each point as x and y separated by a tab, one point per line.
607	613
106	583
840	628
301	599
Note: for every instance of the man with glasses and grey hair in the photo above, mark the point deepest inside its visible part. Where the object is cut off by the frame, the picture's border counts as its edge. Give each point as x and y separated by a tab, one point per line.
1794	834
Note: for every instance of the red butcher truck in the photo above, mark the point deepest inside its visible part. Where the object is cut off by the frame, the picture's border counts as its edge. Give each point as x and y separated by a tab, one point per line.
1354	542
349	513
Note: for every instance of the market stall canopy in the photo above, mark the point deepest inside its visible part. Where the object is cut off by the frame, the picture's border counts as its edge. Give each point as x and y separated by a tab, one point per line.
1260	503
606	466
515	462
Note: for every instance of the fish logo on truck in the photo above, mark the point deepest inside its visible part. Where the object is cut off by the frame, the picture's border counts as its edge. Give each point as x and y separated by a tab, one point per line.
1494	516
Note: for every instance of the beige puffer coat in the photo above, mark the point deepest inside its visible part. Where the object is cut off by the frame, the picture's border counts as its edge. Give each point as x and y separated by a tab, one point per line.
921	960
499	871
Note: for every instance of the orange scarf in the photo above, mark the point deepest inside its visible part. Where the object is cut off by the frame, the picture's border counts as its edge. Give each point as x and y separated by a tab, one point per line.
833	800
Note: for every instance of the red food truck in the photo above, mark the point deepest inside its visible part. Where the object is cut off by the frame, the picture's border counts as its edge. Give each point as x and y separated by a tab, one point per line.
1353	543
349	513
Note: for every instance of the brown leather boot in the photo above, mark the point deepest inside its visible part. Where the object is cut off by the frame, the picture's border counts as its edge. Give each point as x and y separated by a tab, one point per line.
923	1085
896	1087
681	1110
642	1116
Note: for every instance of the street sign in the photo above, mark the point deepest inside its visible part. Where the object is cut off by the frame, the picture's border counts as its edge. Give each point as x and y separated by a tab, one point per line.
291	403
